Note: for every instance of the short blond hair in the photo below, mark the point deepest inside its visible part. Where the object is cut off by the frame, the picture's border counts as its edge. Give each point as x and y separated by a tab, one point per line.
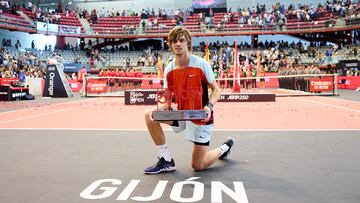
176	33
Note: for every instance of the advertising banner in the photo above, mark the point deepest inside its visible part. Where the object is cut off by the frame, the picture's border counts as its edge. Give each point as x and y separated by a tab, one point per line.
96	86
55	28
148	97
321	85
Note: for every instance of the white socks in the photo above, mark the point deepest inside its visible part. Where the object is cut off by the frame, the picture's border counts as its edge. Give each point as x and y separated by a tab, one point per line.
164	152
224	148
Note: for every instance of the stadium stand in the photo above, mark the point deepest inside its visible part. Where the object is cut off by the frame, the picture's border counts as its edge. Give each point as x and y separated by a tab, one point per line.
148	21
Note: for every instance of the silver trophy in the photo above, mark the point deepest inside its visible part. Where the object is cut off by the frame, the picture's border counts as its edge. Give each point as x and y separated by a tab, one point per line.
185	109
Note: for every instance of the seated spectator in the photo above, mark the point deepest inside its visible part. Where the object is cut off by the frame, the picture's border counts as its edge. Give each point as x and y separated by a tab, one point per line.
8	73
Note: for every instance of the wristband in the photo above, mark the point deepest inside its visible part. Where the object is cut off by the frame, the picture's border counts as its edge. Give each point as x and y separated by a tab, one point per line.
210	105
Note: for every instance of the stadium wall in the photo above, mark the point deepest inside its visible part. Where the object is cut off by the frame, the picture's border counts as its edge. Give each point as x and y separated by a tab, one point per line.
137	5
39	39
262	38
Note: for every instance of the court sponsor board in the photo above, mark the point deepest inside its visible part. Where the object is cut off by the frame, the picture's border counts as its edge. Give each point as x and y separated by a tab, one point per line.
8	93
320	85
140	97
96	86
149	97
243	97
56	84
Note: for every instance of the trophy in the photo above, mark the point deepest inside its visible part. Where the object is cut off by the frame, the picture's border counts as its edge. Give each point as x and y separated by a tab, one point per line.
186	107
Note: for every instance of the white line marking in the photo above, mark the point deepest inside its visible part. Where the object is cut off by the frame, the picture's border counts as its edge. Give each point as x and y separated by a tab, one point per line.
167	130
330	105
337	98
46	105
51	112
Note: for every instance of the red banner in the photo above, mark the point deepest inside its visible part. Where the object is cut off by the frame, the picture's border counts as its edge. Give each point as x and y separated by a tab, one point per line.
96	86
75	85
319	85
8	81
348	82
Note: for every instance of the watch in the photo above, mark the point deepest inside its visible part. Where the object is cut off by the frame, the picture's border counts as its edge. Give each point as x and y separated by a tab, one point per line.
210	105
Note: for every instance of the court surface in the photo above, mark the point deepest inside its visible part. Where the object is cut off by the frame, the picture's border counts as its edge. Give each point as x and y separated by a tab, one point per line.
297	149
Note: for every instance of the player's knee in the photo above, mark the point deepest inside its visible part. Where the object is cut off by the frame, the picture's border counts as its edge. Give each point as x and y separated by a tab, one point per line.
148	115
198	166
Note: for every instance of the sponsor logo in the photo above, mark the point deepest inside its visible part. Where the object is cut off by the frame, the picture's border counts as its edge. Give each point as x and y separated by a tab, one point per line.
71	67
193	75
51	68
238	97
136	97
321	83
97	86
152	96
3	93
74	85
51	83
351	65
18	94
105	188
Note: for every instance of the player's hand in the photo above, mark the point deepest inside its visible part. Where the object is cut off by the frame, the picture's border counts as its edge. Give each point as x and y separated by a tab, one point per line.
208	113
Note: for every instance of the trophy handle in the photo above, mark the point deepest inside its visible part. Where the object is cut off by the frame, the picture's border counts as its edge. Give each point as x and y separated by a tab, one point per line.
164	96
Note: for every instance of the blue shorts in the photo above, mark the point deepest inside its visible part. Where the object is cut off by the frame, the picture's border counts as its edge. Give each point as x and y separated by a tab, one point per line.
195	133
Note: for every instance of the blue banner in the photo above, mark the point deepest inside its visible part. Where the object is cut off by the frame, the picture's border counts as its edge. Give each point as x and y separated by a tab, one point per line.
74	67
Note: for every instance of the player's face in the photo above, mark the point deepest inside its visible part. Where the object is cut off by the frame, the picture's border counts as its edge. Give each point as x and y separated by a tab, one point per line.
180	45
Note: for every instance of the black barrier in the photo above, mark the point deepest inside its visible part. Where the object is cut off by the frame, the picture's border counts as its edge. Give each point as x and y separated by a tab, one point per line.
8	93
243	97
345	64
56	84
148	97
5	93
140	97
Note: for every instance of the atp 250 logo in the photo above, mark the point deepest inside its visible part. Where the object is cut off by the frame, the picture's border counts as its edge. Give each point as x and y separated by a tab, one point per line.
96	191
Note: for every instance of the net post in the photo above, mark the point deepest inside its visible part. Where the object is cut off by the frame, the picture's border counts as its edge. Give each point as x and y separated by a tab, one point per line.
307	79
335	91
84	86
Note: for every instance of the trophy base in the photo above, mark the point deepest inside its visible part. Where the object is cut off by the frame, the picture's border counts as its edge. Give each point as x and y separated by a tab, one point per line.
179	115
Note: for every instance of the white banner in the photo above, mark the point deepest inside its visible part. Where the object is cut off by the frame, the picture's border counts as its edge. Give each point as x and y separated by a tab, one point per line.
35	87
54	28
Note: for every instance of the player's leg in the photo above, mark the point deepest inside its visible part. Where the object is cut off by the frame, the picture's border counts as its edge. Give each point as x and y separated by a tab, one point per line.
154	128
200	135
202	158
165	162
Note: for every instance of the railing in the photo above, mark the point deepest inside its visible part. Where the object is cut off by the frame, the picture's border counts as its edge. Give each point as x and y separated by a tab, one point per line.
14	23
8	22
239	29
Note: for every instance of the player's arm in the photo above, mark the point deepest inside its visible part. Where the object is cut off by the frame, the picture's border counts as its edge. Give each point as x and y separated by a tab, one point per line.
214	97
164	103
215	93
